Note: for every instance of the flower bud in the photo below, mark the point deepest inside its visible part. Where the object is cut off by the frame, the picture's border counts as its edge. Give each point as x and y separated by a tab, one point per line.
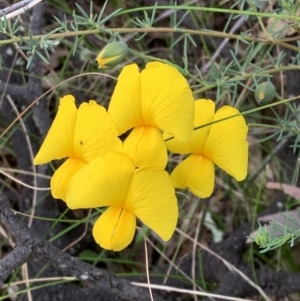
112	54
264	93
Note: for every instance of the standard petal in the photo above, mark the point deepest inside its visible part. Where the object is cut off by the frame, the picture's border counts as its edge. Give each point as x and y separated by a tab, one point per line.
102	182
95	133
204	114
125	104
152	199
167	100
58	143
195	173
62	176
226	144
114	229
146	147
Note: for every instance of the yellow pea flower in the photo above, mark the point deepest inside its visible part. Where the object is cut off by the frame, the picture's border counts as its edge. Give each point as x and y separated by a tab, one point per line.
149	102
222	143
77	134
145	193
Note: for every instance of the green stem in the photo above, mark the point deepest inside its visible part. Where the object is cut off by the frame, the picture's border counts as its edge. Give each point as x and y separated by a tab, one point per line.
155	29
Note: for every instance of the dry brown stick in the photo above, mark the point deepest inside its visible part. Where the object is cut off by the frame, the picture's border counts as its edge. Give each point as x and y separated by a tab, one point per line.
30	246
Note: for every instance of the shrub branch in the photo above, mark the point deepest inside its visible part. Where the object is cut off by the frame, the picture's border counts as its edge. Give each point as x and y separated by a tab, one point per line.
30	246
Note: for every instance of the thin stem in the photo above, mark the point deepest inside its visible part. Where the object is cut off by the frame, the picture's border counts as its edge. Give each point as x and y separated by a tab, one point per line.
209	33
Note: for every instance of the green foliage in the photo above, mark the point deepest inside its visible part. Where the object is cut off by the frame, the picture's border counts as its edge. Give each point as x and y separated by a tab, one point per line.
276	234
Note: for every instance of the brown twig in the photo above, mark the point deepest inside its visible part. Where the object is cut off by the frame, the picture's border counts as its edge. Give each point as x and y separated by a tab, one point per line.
30	246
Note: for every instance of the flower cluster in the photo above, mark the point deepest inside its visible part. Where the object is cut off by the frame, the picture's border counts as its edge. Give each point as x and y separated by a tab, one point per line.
157	108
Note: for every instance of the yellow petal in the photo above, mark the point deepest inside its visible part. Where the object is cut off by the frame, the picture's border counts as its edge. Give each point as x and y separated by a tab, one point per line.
146	147
58	143
195	173
152	199
95	133
61	178
204	114
114	229
102	182
125	104
167	100
226	144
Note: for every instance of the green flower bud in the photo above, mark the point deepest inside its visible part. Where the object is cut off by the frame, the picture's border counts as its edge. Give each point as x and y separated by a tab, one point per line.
264	93
261	239
112	54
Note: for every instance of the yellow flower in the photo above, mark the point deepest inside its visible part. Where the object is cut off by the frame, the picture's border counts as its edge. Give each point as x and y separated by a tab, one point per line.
222	143
112	54
77	134
149	102
113	181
